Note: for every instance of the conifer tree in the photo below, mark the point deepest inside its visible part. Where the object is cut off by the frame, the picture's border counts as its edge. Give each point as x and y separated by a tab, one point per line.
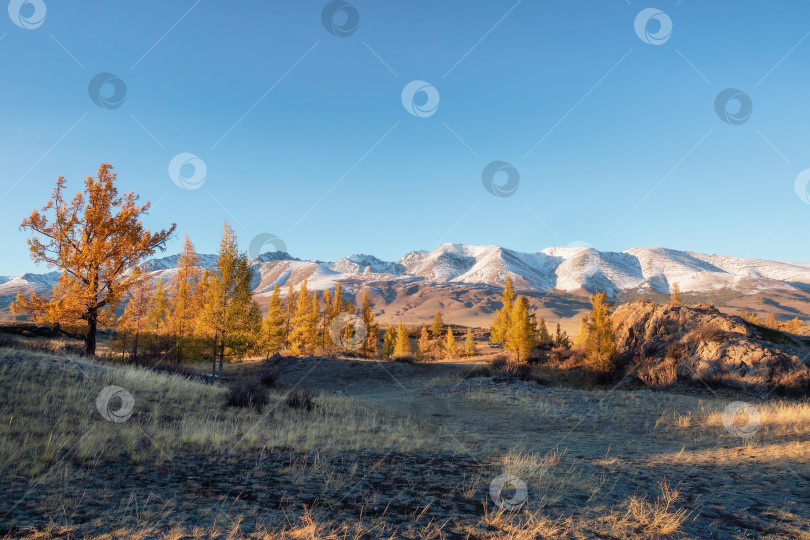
582	337
403	343
184	304
520	336
389	342
424	345
561	338
289	313
326	320
93	239
230	319
339	304
159	309
369	347
300	322
770	321
543	336
313	334
794	325
134	322
469	343
450	348
600	346
437	328
675	297
500	321
273	324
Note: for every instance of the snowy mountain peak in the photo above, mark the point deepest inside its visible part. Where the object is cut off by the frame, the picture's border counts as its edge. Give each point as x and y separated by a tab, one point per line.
554	268
359	263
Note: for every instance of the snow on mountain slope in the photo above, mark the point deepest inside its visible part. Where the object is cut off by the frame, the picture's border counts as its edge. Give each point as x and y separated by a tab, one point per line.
284	272
445	263
758	268
359	263
170	261
28	283
560	268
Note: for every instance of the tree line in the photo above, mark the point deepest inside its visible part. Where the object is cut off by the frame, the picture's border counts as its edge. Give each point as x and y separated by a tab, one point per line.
212	313
98	242
516	329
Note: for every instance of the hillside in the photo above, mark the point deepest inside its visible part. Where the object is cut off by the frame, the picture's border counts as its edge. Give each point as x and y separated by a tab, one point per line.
463	281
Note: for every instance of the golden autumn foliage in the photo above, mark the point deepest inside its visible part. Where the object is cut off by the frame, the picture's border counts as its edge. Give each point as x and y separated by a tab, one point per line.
93	239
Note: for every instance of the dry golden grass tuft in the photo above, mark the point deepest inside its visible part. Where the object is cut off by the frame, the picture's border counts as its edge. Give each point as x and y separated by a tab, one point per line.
524	525
659	518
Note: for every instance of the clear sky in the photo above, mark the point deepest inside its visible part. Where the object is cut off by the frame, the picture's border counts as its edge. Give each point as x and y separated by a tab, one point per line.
614	132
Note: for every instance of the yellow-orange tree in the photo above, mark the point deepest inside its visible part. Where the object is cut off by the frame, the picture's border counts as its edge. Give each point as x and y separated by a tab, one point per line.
93	240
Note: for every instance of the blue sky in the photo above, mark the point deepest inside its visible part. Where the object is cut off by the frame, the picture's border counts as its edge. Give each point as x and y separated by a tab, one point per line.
304	135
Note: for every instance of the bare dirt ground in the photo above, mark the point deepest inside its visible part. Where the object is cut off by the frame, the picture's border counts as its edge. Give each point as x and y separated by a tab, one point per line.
615	442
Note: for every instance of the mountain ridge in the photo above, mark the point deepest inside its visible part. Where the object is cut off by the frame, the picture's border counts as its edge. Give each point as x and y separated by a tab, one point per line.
652	270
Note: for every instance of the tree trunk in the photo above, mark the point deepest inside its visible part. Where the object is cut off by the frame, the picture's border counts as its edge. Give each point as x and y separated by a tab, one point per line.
221	355
214	358
90	338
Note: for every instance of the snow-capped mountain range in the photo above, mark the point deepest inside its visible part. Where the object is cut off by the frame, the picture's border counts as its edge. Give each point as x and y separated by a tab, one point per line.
555	268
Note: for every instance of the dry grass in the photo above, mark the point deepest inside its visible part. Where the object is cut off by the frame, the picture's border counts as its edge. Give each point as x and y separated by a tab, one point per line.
48	411
775	419
566	445
656	519
524	526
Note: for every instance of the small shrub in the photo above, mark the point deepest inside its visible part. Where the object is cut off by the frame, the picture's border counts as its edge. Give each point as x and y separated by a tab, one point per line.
300	398
503	370
676	351
478	371
574	359
657	375
499	363
708	333
246	394
559	355
528	373
403	358
269	378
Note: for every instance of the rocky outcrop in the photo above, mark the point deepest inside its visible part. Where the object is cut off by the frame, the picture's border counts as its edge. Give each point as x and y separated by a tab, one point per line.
665	343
